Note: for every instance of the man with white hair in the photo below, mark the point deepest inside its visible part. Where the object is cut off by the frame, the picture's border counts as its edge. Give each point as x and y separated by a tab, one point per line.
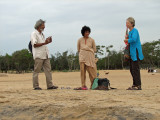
41	55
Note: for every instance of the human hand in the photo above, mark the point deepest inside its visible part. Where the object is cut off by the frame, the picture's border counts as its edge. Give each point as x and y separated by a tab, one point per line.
48	40
126	36
126	40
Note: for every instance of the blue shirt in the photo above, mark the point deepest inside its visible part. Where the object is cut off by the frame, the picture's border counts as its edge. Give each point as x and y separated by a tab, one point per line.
135	44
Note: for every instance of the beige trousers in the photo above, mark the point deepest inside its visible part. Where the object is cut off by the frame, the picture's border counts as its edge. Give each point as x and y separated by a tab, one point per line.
45	63
91	71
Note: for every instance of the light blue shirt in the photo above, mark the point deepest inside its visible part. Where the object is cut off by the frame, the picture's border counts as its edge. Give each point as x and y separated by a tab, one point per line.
135	44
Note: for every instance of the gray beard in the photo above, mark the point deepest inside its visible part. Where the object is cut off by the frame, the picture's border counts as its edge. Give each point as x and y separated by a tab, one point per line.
41	30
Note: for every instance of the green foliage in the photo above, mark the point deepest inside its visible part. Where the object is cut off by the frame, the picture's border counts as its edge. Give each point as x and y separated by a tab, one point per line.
151	51
22	60
65	61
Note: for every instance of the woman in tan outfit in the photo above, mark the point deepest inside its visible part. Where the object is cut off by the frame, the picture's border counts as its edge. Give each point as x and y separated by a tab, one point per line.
86	48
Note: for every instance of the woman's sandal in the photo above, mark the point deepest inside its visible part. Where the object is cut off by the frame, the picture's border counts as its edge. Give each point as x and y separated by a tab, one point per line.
81	88
130	87
135	88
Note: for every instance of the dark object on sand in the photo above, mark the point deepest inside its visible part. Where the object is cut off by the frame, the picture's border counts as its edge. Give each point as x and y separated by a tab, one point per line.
150	70
101	84
106	73
153	70
65	88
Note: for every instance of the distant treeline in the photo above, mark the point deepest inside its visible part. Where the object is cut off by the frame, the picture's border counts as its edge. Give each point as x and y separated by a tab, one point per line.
22	61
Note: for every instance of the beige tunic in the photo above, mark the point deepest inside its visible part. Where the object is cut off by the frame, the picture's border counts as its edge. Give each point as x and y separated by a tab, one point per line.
86	49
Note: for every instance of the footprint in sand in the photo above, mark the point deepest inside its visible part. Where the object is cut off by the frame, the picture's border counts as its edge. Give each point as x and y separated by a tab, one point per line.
4	101
2	97
75	99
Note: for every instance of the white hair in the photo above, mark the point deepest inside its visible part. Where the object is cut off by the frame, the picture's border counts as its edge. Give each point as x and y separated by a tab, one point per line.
131	20
39	23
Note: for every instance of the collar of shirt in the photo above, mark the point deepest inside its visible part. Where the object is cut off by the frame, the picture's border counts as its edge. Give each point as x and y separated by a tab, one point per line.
131	30
39	32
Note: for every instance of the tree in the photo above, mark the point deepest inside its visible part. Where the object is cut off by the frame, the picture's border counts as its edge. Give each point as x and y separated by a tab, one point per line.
122	56
70	59
3	64
108	51
151	52
100	50
22	60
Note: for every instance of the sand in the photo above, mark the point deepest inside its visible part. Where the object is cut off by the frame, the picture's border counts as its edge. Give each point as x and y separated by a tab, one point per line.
3	75
18	100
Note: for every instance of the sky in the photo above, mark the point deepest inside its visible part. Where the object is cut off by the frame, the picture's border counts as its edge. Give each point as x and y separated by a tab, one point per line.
65	18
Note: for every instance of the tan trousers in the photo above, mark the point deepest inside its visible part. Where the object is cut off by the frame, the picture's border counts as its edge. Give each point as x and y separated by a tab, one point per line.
45	63
91	71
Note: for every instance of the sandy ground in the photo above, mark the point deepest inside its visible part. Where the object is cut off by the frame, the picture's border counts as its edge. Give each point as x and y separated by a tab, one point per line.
18	100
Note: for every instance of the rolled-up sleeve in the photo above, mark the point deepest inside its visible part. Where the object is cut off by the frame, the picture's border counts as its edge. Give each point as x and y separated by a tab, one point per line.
33	39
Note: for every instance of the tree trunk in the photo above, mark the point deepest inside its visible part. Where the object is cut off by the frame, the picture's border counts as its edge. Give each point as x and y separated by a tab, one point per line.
122	61
105	61
108	61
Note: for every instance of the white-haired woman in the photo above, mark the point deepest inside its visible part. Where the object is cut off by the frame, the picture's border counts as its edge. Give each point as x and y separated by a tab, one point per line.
135	53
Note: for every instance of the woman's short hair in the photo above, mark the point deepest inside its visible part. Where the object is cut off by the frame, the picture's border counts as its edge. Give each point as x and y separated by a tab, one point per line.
39	23
84	29
131	20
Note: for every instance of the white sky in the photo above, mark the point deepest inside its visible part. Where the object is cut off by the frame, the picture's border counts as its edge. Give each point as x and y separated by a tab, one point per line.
65	18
